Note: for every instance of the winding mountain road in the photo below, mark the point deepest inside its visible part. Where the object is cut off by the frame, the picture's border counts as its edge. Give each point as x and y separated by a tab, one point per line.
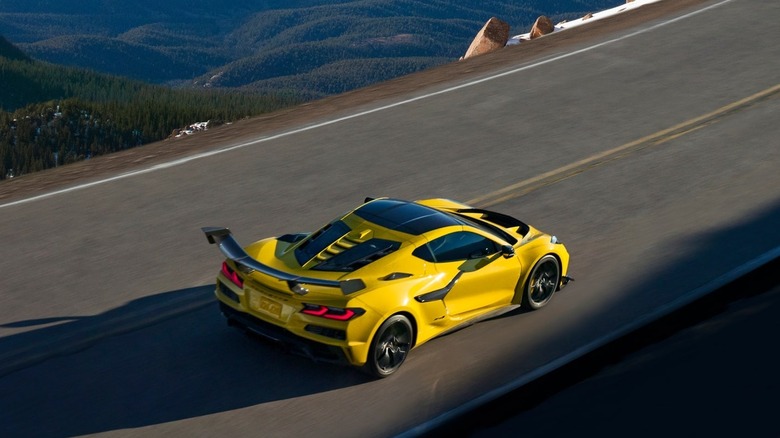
650	148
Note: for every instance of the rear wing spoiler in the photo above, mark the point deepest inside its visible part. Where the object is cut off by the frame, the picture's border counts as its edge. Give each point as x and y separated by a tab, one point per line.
233	251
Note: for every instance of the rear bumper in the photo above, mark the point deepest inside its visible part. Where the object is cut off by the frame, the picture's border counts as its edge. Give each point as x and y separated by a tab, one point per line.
295	344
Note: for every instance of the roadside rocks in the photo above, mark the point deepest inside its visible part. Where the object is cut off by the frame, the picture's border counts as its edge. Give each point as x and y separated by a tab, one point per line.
493	36
542	26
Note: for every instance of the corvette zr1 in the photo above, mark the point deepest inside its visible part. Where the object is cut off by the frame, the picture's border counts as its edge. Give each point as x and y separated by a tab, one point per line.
386	277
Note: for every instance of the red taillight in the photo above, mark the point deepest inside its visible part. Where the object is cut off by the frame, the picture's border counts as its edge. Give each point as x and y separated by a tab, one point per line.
334	313
232	275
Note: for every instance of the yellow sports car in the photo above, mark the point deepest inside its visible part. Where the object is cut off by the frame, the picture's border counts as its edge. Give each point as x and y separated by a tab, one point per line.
386	277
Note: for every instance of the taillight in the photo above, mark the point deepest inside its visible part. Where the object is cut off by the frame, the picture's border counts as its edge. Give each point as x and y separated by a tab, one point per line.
232	275
335	313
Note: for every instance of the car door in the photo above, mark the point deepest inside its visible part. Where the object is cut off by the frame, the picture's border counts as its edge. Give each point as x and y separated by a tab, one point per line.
480	276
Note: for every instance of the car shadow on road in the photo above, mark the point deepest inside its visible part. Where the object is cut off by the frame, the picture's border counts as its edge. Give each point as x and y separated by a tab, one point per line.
156	359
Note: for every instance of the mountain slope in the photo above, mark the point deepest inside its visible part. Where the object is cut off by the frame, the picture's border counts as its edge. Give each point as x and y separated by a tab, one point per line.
11	52
237	44
53	115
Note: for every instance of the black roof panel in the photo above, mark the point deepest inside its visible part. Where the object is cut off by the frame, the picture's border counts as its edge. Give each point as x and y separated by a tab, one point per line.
406	217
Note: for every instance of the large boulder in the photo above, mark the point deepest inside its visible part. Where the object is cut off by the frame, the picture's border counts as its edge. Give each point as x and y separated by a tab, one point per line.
493	36
542	26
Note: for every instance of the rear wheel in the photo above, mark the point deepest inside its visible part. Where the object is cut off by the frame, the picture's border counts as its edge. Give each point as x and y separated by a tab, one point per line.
390	346
542	283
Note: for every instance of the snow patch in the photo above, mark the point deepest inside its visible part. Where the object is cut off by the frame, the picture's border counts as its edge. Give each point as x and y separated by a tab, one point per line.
586	19
195	127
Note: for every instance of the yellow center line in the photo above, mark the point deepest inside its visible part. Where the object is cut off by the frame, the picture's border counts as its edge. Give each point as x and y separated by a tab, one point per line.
680	134
553	176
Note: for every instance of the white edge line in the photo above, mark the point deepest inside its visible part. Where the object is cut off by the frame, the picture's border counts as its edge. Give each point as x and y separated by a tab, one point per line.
578	353
356	115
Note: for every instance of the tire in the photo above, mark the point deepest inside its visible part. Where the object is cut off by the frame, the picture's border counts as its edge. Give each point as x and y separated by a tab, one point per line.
390	346
542	283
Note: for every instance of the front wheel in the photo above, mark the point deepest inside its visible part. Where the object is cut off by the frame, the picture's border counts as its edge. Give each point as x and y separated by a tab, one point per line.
542	283
390	346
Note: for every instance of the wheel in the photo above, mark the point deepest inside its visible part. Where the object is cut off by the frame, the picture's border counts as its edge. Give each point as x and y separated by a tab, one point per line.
390	346
542	283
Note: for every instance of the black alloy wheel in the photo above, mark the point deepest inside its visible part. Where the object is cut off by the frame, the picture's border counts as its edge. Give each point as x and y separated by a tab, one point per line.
390	346
542	283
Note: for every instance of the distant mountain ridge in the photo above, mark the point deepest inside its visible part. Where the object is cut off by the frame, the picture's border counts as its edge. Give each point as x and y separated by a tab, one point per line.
260	45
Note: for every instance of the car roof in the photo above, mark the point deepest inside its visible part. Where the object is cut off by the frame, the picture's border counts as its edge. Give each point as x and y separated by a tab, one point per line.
406	217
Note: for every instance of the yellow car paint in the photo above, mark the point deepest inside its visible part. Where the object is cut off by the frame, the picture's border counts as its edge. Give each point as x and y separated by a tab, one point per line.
417	271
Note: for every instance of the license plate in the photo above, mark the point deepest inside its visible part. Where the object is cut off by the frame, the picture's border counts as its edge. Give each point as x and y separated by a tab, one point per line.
262	304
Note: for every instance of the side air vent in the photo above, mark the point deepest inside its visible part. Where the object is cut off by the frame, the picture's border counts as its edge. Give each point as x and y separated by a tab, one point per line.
395	276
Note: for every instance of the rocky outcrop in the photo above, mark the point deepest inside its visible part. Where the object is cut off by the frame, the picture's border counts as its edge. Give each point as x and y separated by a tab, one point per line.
493	36
542	26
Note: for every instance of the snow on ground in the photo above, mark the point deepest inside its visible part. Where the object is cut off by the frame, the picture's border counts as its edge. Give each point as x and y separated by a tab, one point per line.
587	19
195	127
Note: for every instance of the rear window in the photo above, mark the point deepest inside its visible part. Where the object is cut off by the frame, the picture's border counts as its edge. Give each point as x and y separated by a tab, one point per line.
406	217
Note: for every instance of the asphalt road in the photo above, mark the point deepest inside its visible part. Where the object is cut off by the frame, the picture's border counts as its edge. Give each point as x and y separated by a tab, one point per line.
705	369
659	149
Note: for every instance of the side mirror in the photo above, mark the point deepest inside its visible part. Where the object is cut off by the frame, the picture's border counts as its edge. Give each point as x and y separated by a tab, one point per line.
507	251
